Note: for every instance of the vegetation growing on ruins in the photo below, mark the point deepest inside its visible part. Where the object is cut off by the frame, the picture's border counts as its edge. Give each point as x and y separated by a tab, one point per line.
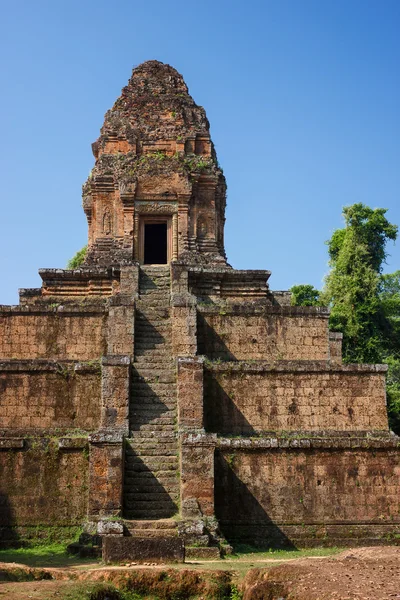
77	259
365	304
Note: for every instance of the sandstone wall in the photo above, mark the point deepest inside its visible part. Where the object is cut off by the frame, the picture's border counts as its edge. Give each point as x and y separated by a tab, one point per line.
285	495
47	395
42	484
30	332
247	399
276	333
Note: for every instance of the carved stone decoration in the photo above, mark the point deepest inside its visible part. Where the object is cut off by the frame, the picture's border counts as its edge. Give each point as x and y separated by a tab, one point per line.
155	158
155	208
127	188
202	228
107	222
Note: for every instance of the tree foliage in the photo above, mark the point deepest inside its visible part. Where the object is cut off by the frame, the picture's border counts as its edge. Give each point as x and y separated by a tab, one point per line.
352	287
364	303
304	295
77	259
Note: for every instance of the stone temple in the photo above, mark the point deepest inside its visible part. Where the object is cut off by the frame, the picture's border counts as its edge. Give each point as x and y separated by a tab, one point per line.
161	399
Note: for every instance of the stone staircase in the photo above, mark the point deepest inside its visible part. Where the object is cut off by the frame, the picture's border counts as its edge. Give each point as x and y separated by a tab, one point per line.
151	483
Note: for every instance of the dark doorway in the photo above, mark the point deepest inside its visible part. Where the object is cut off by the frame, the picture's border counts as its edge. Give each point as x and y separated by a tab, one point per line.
155	244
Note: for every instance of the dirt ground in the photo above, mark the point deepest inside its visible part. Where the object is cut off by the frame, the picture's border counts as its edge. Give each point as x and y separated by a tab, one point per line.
357	574
362	574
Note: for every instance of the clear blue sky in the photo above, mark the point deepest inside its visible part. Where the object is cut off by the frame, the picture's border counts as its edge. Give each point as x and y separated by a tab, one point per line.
303	97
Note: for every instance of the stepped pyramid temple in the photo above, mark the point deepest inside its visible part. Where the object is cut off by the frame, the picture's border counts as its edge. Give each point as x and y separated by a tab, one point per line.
162	401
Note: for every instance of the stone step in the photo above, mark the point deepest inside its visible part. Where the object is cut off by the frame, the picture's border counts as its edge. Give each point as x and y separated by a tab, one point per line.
155	464
139	480
133	459
150	513
137	421
150	396
152	332
152	410
161	496
154	316
148	524
139	385
152	343
149	446
166	407
162	451
164	374
147	436
164	503
162	355
156	376
133	445
151	427
155	362
151	533
132	486
157	408
159	290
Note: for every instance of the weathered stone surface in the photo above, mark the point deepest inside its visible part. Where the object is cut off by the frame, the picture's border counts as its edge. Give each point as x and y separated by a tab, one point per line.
110	528
248	399
271	490
208	553
161	549
155	157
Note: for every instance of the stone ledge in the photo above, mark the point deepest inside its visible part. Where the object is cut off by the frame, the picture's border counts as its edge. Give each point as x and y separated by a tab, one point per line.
8	443
81	273
386	442
313	534
256	309
29	292
88	308
64	443
116	360
72	443
107	436
300	366
62	367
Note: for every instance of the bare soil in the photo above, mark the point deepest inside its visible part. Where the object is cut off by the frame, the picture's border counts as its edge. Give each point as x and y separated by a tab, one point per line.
362	574
356	574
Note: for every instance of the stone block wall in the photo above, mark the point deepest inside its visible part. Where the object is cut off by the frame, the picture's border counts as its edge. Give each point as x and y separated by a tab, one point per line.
268	333
42	395
247	399
43	482
344	490
31	332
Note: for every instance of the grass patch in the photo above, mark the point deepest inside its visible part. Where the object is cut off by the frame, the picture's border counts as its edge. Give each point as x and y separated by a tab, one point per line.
50	555
243	552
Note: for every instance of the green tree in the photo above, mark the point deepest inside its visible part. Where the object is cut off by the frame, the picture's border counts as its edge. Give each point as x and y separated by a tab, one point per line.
365	304
353	286
304	295
77	259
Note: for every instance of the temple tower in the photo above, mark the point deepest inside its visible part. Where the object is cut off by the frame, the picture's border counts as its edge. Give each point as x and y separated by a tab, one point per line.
168	402
156	192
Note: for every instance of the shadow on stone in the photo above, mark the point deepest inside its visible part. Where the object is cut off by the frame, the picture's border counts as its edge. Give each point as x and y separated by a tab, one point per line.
145	497
242	519
8	535
146	402
211	344
221	415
